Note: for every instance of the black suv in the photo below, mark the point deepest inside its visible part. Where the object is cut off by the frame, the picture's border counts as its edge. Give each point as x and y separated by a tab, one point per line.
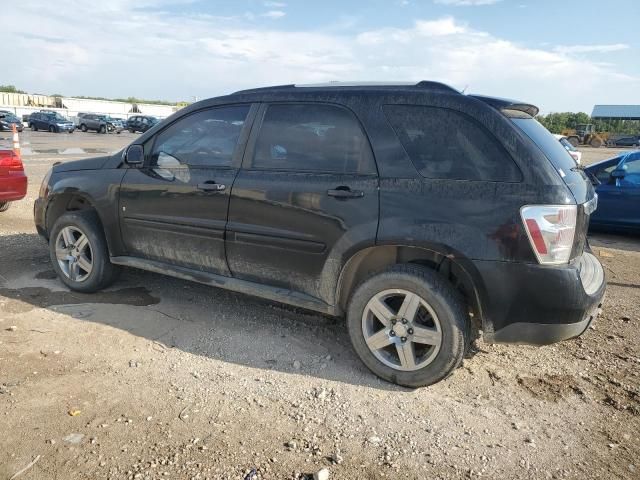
50	121
421	214
141	123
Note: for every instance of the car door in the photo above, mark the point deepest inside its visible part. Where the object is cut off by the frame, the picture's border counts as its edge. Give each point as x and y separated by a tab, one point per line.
305	199
628	203
174	209
618	198
39	121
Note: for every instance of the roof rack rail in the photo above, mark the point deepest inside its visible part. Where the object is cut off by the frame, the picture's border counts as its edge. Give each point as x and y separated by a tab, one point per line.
426	84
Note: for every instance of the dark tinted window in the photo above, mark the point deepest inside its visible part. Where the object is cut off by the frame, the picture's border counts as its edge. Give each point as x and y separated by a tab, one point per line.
446	144
312	137
205	138
546	142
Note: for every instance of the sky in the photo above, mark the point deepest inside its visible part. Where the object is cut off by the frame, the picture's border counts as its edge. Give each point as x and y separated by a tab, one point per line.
559	55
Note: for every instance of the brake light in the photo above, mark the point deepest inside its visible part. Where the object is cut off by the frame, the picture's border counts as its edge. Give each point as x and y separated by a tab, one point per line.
551	230
10	161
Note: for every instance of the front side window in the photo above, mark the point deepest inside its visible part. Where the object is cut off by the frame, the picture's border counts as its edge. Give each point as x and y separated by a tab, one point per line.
445	144
604	173
312	138
204	139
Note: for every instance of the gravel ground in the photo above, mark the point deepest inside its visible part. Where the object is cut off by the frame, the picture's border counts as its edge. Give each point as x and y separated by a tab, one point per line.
160	378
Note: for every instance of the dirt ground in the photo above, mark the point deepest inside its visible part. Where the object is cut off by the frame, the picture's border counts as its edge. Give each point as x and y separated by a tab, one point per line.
160	378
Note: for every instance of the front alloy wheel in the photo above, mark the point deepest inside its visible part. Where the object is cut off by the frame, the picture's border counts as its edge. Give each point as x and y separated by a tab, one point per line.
74	254
401	330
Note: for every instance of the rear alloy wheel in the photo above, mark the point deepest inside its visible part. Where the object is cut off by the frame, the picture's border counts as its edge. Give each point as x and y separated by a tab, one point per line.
52	129
83	127
409	325
103	129
4	206
33	127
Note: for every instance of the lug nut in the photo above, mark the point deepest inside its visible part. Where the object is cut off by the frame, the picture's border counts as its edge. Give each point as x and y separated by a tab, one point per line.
410	331
404	320
403	339
392	333
394	321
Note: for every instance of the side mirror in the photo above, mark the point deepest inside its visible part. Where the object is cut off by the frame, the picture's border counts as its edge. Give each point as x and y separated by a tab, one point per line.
618	173
134	155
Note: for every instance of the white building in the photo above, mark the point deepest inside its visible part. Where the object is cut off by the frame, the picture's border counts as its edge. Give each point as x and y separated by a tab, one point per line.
24	104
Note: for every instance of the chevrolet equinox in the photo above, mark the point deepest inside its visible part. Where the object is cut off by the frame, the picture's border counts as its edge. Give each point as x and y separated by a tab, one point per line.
420	214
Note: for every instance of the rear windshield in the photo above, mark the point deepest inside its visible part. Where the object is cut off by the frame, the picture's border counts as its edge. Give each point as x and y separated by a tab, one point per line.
546	142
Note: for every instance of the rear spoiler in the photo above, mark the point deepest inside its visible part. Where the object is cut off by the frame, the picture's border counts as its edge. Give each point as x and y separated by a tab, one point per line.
506	104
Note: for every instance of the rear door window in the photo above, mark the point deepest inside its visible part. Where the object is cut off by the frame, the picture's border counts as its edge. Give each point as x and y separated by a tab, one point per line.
312	138
446	144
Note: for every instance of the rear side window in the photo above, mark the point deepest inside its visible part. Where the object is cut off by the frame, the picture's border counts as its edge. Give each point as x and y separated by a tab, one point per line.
204	139
546	142
312	137
445	144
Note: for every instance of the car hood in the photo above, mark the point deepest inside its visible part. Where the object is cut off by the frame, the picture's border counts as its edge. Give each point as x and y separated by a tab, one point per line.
86	164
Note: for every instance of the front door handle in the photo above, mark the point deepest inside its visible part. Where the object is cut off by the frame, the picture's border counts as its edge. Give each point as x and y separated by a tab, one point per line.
345	192
211	186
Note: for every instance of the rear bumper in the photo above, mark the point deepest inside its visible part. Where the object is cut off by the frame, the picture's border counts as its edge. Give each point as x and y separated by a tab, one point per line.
13	188
540	305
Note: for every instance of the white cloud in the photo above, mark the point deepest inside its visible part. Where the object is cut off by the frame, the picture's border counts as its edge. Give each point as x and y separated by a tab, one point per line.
466	3
275	14
275	4
177	56
615	47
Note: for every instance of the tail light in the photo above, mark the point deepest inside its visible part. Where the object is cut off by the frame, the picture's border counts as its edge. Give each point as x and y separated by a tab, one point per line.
10	162
551	230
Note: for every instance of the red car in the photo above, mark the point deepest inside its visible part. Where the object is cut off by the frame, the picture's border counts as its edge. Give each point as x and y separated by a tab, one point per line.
13	181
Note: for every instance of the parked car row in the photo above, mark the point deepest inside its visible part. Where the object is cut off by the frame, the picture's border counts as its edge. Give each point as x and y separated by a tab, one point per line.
54	122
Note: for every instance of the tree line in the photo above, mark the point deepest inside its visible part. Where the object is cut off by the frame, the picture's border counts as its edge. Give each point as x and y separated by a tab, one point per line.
564	121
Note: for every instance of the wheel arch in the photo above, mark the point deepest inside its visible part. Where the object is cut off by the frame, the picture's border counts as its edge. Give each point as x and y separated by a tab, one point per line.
457	269
63	202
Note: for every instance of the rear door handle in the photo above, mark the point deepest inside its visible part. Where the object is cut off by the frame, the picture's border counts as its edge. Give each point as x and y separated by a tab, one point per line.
211	186
345	192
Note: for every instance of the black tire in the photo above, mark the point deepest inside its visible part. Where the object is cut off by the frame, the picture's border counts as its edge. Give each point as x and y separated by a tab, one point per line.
446	302
4	206
33	127
83	127
52	129
103	272
132	130
102	129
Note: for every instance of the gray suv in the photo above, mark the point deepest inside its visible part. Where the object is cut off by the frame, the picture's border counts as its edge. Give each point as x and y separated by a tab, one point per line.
98	122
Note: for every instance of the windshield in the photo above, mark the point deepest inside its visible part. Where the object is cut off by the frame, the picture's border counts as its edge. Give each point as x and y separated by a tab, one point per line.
9	117
566	144
57	117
